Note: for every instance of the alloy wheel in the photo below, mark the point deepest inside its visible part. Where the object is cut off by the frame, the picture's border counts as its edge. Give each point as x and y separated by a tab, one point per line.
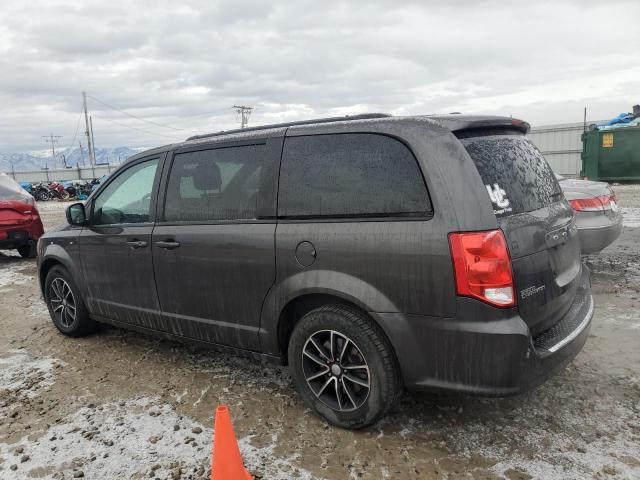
62	302
336	371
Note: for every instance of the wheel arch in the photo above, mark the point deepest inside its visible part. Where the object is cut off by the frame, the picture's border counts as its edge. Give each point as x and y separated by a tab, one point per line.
51	260
302	304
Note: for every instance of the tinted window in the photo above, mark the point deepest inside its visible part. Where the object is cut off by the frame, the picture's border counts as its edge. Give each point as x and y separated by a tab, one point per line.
217	184
350	175
517	177
127	199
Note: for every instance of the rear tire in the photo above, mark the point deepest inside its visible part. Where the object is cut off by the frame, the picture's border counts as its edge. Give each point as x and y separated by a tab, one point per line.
28	250
353	384
65	304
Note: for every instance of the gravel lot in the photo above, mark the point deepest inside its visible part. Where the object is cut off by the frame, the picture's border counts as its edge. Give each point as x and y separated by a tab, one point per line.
121	405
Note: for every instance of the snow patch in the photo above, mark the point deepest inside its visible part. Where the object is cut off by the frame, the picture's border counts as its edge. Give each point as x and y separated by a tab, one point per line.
631	217
52	206
562	455
24	375
38	309
11	275
630	320
130	439
264	461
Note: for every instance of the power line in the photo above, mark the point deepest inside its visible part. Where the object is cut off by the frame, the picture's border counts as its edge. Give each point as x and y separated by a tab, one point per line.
138	129
75	135
141	119
53	139
244	112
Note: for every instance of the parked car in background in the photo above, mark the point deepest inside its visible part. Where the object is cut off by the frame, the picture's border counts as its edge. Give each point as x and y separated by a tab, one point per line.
20	224
369	253
598	215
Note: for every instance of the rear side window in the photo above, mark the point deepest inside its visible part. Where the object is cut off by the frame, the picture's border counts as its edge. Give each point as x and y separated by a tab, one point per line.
516	176
350	175
216	184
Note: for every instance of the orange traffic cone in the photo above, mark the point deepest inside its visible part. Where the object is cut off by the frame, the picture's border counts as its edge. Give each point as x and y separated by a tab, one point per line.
226	462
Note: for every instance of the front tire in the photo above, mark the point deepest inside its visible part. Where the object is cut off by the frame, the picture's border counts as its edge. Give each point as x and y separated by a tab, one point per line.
65	304
343	366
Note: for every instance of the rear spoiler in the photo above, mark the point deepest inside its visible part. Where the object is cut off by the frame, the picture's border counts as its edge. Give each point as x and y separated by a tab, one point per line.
466	125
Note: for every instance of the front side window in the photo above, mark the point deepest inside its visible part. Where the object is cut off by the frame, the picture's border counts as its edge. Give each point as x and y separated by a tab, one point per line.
350	175
127	199
216	184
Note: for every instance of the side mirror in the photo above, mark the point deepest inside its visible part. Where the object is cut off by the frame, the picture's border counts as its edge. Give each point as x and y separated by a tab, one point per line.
76	214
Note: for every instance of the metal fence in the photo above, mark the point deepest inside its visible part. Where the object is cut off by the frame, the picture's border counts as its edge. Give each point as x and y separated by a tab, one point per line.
58	174
561	145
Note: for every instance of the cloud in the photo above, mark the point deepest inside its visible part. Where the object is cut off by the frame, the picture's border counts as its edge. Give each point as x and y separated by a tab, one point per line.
183	64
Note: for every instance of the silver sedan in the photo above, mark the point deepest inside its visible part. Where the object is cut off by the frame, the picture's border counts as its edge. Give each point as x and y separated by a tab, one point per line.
598	216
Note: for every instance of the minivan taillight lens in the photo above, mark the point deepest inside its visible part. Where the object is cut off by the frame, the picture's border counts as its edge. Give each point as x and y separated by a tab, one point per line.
483	267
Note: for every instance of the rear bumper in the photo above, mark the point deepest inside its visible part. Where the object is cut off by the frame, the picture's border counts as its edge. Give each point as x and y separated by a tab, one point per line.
597	232
485	350
16	238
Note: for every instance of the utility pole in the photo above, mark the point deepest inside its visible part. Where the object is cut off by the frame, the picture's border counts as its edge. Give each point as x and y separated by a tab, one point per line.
584	123
53	139
93	148
81	153
244	112
87	132
93	140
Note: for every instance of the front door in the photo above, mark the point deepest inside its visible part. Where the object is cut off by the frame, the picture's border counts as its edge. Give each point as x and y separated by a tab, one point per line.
213	251
115	248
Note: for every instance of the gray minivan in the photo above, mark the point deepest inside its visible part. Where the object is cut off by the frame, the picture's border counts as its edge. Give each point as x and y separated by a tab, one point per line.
369	253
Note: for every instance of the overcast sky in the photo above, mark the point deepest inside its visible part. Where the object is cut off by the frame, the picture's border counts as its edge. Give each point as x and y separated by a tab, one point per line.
183	64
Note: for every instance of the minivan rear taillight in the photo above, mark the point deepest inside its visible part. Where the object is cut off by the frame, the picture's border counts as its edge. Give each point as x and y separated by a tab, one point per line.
483	267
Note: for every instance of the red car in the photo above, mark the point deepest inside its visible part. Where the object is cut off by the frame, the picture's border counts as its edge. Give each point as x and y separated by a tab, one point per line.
20	224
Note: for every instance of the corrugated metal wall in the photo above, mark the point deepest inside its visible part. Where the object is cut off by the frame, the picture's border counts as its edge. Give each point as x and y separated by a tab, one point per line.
561	146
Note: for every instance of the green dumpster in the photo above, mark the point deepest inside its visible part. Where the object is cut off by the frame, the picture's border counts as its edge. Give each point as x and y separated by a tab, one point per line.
611	154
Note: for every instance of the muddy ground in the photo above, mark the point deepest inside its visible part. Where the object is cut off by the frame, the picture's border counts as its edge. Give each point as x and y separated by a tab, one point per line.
122	405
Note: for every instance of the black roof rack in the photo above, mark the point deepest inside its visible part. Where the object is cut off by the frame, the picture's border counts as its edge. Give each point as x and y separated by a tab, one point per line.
363	116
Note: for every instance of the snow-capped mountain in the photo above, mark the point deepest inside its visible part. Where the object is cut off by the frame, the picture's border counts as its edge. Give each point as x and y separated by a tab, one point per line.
38	159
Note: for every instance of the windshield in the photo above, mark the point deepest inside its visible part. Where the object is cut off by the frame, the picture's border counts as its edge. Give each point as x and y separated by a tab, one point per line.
517	177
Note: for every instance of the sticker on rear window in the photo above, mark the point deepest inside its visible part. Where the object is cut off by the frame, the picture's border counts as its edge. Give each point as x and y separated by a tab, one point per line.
499	198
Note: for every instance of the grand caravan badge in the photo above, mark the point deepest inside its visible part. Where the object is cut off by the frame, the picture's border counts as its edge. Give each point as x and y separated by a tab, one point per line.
499	198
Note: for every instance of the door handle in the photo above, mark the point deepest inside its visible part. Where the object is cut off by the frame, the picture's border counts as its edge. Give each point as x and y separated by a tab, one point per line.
135	244
168	244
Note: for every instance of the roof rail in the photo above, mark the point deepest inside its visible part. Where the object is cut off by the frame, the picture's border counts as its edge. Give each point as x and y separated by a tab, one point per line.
362	116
